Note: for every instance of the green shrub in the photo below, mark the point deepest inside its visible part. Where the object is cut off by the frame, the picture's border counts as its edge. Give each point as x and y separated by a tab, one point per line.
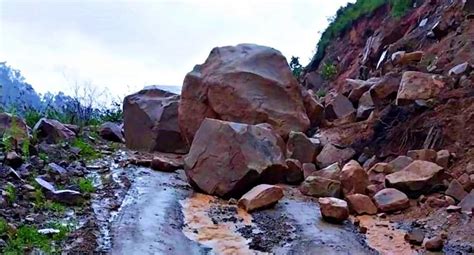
86	185
329	71
3	227
296	67
26	238
87	151
400	7
11	193
32	117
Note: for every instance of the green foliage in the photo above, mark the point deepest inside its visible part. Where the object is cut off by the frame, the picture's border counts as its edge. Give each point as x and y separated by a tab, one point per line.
400	7
329	71
11	193
27	237
321	93
25	149
86	185
87	151
42	203
347	15
32	117
3	227
43	156
12	135
296	67
113	114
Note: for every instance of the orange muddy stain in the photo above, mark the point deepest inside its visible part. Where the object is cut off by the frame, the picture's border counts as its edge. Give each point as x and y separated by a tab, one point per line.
222	237
384	238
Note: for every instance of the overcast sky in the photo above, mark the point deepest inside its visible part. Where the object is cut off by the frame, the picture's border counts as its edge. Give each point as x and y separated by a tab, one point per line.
125	45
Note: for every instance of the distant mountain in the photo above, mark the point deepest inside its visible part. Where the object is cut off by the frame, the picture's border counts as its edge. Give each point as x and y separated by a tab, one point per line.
15	92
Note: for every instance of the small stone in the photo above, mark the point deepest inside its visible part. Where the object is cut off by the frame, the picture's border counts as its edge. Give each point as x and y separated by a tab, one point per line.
354	179
363	230
467	204
13	159
416	237
400	163
434	244
442	158
333	209
453	208
424	154
261	196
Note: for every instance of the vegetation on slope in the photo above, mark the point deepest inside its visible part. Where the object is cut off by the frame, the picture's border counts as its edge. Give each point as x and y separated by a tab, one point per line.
347	15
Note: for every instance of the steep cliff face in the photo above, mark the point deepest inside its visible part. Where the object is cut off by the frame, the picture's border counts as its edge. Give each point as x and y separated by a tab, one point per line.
442	29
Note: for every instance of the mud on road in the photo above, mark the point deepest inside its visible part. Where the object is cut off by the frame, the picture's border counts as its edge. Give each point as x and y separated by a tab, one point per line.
161	214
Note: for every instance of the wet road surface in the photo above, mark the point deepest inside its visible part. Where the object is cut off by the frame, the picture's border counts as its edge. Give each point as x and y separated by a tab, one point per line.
162	215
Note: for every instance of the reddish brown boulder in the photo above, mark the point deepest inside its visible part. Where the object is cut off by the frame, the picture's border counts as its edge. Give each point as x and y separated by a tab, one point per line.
424	154
385	89
331	154
294	174
366	106
434	244
467	204
52	131
456	190
417	85
111	132
7	121
246	83
359	88
308	169
314	109
332	172
400	163
407	58
361	204
74	128
338	107
151	121
390	200
416	177
354	179
333	209
261	196
301	147
227	158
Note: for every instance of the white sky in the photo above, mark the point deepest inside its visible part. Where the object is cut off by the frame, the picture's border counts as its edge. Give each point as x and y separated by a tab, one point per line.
124	45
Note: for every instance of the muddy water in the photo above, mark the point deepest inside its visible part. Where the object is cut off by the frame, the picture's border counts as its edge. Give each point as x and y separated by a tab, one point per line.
162	215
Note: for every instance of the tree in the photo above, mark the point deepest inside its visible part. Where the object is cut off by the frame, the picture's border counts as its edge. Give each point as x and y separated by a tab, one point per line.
296	67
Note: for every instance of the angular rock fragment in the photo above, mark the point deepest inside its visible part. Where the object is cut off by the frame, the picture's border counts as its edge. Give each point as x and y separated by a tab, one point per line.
261	196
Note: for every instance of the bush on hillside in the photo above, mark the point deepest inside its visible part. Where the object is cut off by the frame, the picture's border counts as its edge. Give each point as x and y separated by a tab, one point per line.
347	15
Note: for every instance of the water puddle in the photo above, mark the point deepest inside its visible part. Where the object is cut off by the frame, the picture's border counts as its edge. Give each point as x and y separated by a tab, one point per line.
215	224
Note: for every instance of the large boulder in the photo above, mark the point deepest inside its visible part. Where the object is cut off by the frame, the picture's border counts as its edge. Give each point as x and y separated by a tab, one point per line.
246	83
416	177
227	158
339	107
354	179
261	196
52	131
390	200
151	121
417	85
111	132
300	147
13	126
